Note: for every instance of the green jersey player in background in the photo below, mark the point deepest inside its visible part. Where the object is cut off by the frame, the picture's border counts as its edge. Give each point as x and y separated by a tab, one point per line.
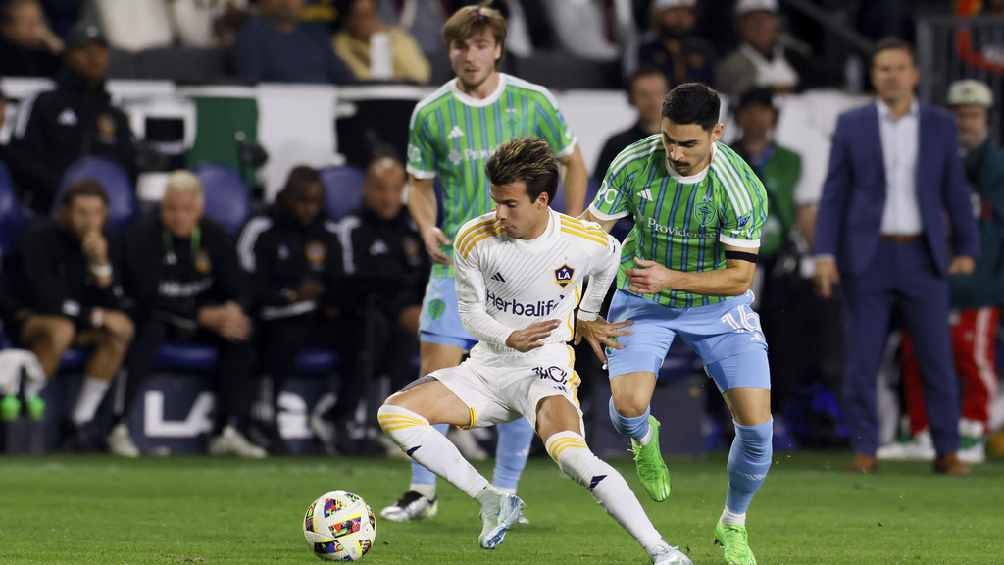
452	134
686	269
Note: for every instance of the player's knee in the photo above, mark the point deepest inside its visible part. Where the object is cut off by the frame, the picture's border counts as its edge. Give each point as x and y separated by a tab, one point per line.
394	418
59	333
631	404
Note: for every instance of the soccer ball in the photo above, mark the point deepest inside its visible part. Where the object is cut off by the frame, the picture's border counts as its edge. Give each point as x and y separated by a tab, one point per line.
339	526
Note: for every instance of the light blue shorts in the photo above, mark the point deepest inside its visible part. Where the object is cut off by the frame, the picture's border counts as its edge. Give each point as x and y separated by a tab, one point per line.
727	337
440	321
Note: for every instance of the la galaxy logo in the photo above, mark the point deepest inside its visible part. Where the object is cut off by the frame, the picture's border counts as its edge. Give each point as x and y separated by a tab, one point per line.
564	275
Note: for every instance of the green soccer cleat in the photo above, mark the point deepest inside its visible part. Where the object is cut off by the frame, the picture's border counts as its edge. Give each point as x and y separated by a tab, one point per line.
735	541
652	470
35	407
10	408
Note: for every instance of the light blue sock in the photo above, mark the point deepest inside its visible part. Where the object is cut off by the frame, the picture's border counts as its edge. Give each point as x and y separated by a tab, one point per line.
419	474
634	428
510	453
749	460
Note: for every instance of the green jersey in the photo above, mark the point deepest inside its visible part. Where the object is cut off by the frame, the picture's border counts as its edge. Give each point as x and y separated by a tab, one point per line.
682	222
452	135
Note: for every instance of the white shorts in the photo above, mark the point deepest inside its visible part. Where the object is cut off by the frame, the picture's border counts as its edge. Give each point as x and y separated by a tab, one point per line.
501	389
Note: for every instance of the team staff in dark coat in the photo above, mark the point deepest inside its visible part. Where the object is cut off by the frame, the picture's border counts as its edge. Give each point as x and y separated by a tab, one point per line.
292	255
74	120
182	272
66	290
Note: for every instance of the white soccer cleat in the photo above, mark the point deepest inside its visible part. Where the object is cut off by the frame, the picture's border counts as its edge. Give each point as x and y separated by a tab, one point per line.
666	554
974	454
500	510
119	442
232	442
412	505
920	448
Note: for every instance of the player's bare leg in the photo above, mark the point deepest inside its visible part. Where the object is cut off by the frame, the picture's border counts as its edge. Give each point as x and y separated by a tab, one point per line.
749	461
629	413
419	501
559	426
407	417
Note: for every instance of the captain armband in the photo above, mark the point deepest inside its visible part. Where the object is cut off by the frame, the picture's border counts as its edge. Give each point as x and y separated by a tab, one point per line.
741	256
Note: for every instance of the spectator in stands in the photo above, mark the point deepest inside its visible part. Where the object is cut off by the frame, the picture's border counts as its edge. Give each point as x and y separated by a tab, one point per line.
76	119
780	169
67	291
646	88
181	271
28	48
975	298
294	259
897	218
374	50
275	46
673	47
764	57
203	24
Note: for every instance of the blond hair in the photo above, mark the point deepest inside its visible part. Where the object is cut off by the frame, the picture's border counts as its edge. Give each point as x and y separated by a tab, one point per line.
183	182
469	21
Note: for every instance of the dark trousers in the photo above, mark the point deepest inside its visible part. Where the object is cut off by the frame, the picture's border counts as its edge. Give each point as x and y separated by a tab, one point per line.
901	275
232	383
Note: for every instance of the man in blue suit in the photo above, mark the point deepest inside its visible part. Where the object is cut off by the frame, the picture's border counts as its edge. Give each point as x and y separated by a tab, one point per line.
895	219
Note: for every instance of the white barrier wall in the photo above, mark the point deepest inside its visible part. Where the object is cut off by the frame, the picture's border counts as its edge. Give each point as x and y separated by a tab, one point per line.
295	122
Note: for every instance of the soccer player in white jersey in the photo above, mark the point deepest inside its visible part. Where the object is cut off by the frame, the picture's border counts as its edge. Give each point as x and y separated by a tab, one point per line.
520	272
452	133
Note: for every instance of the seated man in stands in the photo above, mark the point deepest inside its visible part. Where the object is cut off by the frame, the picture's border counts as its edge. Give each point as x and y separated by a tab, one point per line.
28	48
66	290
76	119
400	59
181	270
294	259
275	46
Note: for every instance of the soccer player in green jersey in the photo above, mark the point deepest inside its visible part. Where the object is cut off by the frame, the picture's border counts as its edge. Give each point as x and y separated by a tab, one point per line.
686	269
452	134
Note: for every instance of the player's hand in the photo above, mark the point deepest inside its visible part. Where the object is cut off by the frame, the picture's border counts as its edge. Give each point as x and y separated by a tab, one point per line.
826	276
600	333
962	265
434	241
532	336
95	248
649	277
236	326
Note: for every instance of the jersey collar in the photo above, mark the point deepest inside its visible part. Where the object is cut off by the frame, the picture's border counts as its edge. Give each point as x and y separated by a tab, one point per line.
479	102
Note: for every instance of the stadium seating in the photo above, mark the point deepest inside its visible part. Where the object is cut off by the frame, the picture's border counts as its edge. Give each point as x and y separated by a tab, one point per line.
111	176
343	188
228	201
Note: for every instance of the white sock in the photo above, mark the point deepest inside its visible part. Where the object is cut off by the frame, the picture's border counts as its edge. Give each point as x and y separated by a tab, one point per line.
424	444
428	491
508	490
647	437
606	485
732	519
92	391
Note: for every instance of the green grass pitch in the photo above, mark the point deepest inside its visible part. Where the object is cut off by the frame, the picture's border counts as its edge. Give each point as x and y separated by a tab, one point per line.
185	510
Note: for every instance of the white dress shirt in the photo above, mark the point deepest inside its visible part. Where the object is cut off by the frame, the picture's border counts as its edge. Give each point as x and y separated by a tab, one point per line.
900	140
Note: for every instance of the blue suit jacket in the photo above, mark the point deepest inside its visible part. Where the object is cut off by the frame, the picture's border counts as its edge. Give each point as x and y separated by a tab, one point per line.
850	212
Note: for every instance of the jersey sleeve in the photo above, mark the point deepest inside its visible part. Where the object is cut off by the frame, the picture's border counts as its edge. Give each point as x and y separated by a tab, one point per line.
421	151
744	210
602	272
613	199
551	126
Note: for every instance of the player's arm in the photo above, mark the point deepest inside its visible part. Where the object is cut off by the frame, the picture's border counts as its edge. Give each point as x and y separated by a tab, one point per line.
736	278
475	318
588	323
576	178
422	206
607	225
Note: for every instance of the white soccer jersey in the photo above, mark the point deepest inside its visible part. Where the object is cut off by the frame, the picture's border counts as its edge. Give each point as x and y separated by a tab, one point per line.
505	284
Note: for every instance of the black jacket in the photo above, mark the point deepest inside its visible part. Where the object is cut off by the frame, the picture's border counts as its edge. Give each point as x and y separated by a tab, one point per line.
18	61
281	255
73	120
384	259
172	278
48	274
